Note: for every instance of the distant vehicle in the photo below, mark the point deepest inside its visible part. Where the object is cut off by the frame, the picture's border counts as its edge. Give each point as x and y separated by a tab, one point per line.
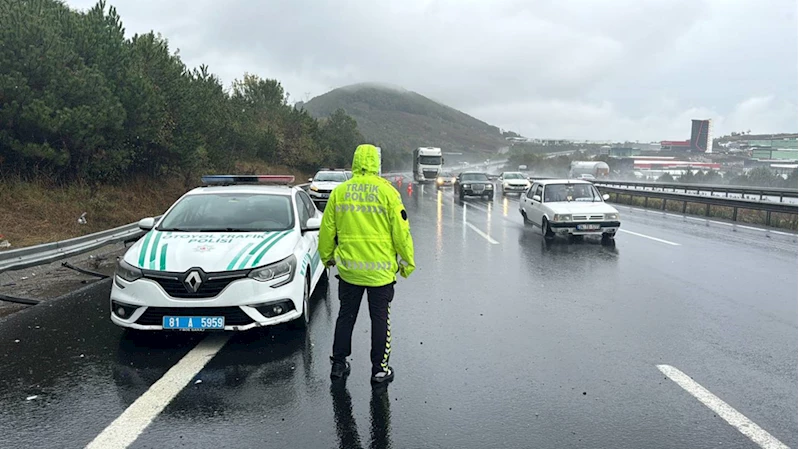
598	169
522	167
587	177
473	184
324	181
445	179
427	163
513	182
232	255
571	207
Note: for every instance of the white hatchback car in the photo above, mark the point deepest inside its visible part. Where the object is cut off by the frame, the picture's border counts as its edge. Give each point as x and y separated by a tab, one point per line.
569	206
231	255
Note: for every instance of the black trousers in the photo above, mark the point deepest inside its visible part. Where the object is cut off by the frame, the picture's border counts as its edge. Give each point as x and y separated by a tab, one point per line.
379	309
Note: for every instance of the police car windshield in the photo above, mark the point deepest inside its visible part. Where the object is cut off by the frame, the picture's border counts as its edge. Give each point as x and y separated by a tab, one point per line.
474	177
225	212
331	177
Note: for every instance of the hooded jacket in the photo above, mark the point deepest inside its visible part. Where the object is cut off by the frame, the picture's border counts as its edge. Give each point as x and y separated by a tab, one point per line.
365	226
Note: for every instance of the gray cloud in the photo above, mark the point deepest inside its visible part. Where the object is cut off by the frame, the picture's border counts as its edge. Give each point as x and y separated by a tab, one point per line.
618	69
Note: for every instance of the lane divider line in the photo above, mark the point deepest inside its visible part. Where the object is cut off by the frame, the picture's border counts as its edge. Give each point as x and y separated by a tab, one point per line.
482	234
744	425
131	423
649	237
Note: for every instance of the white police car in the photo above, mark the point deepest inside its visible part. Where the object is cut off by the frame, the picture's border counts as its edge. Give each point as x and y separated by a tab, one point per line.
238	253
325	181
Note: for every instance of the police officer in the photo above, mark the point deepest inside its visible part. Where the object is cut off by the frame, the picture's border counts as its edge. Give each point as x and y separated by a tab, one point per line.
364	228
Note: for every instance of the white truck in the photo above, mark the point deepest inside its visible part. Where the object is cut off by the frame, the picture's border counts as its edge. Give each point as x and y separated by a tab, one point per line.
427	164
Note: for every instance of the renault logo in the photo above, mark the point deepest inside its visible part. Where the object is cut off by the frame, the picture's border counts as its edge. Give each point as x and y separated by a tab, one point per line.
193	282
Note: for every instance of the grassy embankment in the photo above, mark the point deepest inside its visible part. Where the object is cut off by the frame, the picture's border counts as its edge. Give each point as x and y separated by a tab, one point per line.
40	211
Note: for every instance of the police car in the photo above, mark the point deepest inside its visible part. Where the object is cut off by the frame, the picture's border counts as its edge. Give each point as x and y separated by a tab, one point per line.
237	253
325	181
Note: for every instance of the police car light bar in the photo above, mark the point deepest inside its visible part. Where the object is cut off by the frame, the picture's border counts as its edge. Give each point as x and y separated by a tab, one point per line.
226	180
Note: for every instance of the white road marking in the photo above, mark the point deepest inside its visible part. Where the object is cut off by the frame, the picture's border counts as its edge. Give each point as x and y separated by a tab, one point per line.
724	410
482	234
752	228
649	237
131	423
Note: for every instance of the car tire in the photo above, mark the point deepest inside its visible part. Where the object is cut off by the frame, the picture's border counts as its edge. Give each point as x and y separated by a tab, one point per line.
304	320
546	231
460	195
608	238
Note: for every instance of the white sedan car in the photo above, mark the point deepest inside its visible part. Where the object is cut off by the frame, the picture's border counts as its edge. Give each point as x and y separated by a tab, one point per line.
572	207
513	182
231	255
324	182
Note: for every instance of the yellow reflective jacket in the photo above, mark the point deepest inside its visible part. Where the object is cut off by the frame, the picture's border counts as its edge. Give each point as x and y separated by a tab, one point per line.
365	226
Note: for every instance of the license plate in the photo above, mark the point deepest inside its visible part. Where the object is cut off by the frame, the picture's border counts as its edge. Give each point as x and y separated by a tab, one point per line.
194	322
587	227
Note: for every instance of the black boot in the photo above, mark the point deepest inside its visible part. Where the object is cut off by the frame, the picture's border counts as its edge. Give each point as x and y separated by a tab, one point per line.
339	369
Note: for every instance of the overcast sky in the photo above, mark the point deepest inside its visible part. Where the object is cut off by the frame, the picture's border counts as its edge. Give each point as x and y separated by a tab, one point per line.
581	69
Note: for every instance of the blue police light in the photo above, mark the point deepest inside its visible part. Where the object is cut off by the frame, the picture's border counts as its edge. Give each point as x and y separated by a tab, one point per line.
226	180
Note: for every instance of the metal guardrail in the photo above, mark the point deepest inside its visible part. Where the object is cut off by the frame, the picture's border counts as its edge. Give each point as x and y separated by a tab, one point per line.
735	203
760	192
17	259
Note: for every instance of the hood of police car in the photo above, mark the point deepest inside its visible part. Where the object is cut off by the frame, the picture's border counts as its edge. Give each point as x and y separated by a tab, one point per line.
212	252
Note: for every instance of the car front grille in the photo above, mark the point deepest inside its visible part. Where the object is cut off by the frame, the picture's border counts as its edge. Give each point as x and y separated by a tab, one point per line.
212	286
478	188
234	316
587	217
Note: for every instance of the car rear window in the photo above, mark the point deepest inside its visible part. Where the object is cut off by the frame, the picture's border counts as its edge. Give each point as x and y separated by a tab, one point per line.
226	212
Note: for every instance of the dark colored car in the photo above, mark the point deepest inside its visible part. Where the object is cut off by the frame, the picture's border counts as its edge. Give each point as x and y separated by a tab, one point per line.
474	184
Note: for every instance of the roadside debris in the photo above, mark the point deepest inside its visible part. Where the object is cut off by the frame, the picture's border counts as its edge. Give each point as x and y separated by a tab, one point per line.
30	398
82	219
4	243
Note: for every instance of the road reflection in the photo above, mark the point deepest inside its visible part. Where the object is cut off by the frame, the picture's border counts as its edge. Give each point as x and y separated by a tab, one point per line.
347	428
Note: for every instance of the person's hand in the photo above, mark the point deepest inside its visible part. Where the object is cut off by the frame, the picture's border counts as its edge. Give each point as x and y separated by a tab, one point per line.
330	263
406	270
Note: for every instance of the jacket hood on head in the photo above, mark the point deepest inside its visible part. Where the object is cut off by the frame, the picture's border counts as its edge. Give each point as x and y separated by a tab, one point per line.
366	161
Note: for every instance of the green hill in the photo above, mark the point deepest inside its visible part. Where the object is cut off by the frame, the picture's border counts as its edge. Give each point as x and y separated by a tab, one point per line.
402	120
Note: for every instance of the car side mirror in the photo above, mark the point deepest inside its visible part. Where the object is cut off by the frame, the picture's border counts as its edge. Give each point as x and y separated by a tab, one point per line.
537	198
145	224
606	197
313	224
310	179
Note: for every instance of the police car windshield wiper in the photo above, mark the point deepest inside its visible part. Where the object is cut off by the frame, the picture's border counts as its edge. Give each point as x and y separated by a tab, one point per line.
176	230
223	230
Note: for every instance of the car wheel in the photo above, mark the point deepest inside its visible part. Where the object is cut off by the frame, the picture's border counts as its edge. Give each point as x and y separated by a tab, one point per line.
304	320
545	229
608	238
460	195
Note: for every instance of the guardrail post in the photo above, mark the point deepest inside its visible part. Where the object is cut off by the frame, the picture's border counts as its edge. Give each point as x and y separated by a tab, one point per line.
663	206
646	202
768	218
684	206
707	210
734	214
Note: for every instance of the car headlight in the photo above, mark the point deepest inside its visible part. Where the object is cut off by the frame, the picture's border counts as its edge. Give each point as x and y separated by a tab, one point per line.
440	180
611	216
506	184
489	186
467	186
562	218
277	270
314	188
127	271
454	179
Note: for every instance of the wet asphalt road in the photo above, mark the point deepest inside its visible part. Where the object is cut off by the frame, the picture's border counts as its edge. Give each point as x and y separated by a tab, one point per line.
517	343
